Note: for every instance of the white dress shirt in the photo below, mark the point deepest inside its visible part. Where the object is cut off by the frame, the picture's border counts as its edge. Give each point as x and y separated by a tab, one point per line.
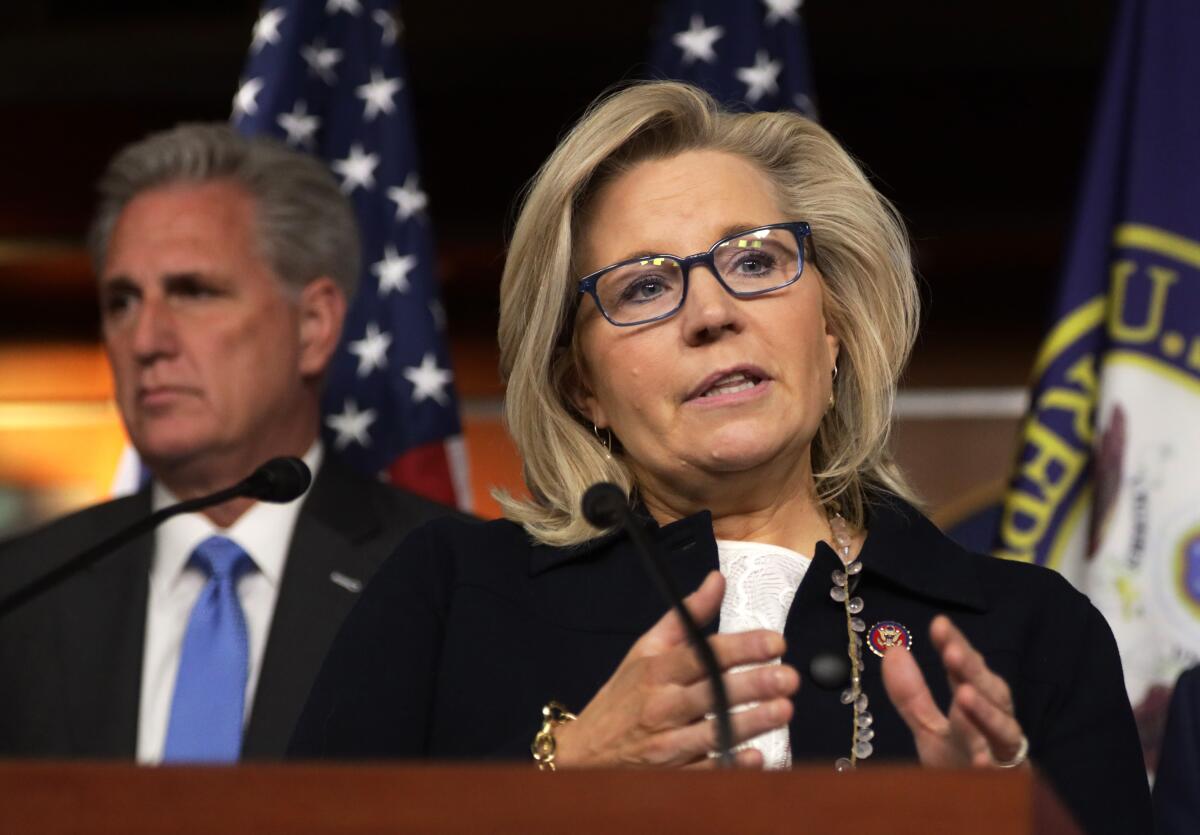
760	583
265	533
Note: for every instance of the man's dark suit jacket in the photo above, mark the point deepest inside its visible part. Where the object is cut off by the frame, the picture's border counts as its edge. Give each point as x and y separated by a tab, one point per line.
469	630
71	660
1177	782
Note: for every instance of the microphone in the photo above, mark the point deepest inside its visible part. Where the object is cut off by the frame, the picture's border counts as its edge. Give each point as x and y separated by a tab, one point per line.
604	506
279	480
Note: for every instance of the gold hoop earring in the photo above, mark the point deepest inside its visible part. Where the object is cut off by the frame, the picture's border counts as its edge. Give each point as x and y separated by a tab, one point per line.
605	442
832	399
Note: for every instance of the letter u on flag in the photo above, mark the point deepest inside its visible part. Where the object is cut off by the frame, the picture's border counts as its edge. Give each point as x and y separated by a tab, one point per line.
1107	479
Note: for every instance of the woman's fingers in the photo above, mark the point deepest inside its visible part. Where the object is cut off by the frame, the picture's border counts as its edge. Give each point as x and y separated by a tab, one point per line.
969	745
679	706
965	665
750	758
693	742
704	604
1000	730
906	687
682	665
983	697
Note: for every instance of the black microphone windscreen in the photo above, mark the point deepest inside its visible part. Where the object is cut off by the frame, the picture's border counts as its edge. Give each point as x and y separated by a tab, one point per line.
602	504
279	480
829	670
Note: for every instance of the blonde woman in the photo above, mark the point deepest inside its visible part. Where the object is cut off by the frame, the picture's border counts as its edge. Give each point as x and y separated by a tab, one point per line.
712	310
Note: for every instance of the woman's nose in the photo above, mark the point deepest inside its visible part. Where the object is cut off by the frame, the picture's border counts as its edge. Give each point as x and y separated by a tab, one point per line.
709	310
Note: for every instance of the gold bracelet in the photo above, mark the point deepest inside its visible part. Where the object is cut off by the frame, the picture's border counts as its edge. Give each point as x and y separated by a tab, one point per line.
544	746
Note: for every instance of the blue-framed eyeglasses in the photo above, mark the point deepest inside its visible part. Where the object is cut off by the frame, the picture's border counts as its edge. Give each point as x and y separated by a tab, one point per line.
654	287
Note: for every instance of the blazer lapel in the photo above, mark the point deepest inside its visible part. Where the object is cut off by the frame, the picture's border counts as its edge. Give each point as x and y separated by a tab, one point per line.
330	558
101	631
620	595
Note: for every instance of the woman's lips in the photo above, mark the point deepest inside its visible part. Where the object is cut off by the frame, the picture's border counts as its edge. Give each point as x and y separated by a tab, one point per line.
730	385
758	390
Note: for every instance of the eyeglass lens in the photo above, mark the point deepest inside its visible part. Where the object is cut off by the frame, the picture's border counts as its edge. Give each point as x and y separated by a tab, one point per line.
749	263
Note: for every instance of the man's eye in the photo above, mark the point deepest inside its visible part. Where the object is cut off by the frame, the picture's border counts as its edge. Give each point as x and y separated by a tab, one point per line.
192	290
115	303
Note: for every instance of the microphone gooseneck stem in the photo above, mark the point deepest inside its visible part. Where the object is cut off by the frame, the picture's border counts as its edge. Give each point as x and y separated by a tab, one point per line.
666	585
92	555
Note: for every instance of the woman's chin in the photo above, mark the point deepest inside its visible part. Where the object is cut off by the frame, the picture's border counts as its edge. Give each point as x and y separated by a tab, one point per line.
739	457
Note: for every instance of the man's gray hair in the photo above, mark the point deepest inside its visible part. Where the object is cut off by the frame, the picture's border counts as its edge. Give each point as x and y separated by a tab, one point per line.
306	226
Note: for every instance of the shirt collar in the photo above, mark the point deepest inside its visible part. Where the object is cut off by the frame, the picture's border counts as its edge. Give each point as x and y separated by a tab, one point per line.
258	531
902	546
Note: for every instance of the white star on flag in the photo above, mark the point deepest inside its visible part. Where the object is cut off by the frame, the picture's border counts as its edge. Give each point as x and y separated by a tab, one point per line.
760	79
353	7
321	60
351	425
390	26
778	10
393	270
371	350
377	94
301	126
358	169
245	102
266	30
428	380
697	41
409	198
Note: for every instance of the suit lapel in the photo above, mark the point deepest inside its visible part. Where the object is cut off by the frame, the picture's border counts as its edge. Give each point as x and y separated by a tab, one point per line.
329	559
101	630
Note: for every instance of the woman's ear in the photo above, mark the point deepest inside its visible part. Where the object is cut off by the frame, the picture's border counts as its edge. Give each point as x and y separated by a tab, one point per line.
582	395
834	345
321	309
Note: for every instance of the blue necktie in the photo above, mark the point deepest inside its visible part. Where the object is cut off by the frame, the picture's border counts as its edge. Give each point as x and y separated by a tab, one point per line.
210	688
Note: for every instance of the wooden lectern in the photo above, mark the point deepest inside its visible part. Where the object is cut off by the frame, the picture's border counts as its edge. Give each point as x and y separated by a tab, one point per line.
88	799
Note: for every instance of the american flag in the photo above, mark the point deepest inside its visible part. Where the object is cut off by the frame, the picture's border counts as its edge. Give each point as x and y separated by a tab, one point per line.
328	77
749	54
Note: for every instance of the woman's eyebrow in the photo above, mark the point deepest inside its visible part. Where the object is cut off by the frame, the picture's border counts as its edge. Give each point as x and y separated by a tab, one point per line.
731	229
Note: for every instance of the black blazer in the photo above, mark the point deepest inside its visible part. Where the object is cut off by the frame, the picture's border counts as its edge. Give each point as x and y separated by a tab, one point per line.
1177	781
71	660
469	629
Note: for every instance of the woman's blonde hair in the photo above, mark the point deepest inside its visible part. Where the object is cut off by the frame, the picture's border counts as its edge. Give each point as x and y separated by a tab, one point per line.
862	251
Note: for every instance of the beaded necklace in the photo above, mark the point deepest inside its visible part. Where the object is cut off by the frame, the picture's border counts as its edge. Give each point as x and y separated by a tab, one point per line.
844	583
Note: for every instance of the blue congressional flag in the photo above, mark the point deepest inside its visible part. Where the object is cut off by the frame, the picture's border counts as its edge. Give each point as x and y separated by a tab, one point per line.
328	77
1107	483
749	54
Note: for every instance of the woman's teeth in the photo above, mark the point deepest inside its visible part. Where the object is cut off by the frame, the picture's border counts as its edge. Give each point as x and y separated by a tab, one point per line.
731	385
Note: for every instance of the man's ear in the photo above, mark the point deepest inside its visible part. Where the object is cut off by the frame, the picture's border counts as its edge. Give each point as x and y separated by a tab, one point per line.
322	309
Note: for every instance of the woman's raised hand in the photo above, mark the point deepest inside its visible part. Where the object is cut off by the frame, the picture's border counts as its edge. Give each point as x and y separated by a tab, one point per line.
651	712
980	729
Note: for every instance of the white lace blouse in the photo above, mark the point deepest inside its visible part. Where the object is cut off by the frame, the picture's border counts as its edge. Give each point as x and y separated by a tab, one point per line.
760	582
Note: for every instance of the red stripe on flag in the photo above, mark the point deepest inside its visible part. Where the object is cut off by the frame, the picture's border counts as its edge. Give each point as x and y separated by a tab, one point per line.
425	469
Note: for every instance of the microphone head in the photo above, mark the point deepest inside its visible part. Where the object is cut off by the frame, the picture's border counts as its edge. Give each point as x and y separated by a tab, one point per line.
829	670
603	504
279	480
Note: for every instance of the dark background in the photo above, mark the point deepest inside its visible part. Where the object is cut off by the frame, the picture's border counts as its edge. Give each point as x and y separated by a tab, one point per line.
973	117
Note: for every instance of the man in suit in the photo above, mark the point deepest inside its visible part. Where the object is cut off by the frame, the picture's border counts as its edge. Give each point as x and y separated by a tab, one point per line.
1177	782
224	265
